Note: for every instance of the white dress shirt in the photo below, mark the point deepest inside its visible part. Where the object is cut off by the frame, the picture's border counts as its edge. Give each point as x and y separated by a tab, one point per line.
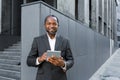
52	42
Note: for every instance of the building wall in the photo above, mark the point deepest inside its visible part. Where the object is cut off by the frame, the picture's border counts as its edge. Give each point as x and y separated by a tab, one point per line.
118	25
90	49
99	8
81	10
94	14
103	17
0	14
67	7
86	12
30	29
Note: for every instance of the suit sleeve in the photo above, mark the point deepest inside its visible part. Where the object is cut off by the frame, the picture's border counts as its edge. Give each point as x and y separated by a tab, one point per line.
69	56
31	59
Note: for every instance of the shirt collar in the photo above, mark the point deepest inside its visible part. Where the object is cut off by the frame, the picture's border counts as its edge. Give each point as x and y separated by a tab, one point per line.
49	36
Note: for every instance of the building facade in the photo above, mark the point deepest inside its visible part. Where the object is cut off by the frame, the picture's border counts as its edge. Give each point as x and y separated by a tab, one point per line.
89	24
118	32
97	14
118	26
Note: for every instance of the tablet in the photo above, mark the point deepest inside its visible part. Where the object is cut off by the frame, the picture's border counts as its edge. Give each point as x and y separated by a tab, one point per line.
55	53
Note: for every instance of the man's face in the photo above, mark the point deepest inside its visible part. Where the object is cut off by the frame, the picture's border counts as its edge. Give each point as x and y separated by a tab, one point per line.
51	25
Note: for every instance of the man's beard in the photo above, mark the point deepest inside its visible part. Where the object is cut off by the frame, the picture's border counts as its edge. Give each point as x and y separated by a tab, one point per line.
52	32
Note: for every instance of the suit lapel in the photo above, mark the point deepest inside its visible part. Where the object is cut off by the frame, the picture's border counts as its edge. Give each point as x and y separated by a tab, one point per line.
58	41
45	39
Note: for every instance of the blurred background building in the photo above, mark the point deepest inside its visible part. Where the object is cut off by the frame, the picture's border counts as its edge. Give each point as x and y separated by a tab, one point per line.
91	26
118	24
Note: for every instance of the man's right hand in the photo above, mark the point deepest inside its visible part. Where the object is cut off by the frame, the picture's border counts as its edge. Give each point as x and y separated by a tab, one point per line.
43	57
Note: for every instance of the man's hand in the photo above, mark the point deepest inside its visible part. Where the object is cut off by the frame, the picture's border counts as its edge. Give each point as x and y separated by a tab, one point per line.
57	61
43	57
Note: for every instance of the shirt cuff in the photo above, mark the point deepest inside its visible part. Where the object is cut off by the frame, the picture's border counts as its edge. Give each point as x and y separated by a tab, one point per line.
37	62
64	68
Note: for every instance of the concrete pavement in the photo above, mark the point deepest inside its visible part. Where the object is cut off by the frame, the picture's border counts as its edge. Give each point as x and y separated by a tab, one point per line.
110	70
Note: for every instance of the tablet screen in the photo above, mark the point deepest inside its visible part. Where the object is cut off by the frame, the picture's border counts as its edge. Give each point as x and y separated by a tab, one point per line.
55	53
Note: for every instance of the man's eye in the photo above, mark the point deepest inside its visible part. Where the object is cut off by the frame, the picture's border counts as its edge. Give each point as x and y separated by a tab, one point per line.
54	24
48	23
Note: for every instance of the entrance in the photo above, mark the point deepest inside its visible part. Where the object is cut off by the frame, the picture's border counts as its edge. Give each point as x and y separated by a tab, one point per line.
11	17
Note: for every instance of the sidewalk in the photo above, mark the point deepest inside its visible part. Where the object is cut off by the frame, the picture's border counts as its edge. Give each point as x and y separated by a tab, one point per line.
110	70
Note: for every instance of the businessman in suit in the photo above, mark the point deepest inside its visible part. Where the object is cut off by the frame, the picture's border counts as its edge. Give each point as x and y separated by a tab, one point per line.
53	67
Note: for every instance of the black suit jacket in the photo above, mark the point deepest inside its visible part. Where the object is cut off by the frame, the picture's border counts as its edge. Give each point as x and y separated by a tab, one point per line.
46	70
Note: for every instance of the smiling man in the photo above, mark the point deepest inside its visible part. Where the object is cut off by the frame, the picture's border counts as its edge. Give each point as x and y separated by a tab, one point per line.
50	67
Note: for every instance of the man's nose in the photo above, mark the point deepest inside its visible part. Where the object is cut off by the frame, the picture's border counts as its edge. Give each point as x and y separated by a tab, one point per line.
51	25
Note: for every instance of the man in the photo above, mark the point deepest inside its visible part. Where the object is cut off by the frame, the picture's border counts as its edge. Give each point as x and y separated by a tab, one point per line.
50	68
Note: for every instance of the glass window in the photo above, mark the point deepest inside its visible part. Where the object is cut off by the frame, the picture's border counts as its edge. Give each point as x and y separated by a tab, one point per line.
118	25
105	29
100	25
118	38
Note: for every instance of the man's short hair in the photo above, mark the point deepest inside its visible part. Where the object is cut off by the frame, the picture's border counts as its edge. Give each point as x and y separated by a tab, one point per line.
51	16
